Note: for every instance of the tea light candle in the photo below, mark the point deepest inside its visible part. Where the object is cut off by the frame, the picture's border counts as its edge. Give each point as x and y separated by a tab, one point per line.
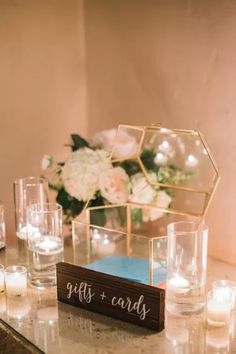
228	286
24	231
2	278
16	280
219	308
178	285
47	245
102	246
225	294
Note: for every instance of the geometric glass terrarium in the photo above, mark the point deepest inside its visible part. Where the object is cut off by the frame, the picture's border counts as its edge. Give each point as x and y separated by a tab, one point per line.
129	240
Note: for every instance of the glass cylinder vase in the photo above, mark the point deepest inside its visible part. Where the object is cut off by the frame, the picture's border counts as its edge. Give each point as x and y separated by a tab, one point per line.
45	243
27	191
186	267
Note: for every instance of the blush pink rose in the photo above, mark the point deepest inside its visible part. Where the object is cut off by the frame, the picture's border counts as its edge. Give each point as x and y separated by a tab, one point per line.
114	185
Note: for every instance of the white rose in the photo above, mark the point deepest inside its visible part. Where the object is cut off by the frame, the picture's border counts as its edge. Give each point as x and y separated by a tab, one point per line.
81	172
161	200
142	191
46	162
114	185
126	144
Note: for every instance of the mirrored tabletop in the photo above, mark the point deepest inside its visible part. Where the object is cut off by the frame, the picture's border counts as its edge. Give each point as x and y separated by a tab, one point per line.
54	327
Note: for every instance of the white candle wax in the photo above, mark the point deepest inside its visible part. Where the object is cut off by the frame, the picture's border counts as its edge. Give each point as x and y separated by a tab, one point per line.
27	230
178	285
49	245
225	294
16	283
218	312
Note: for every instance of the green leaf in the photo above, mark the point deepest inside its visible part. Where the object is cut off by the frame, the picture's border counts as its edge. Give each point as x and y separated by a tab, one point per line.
63	198
97	217
71	206
52	187
147	158
122	215
131	167
137	216
76	207
78	142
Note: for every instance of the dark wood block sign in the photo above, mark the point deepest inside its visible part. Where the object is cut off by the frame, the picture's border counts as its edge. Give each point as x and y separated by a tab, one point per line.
110	295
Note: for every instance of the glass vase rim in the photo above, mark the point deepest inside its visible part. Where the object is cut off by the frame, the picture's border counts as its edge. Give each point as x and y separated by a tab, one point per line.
218	283
39	207
34	179
199	227
12	269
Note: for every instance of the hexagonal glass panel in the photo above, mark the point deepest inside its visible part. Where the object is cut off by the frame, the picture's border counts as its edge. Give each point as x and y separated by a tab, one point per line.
133	257
127	143
170	169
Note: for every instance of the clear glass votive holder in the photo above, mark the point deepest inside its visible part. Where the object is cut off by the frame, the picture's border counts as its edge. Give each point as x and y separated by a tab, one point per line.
2	227
186	267
27	191
219	308
15	281
2	279
45	244
226	287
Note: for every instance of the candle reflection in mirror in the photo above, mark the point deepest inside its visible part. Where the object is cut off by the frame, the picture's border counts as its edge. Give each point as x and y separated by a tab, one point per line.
218	338
185	334
18	308
176	331
3	306
46	329
2	279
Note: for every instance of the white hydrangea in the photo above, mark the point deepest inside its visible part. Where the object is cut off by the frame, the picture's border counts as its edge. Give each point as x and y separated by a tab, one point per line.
81	172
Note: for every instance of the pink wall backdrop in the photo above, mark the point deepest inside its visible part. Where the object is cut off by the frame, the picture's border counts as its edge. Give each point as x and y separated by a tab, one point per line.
42	86
171	62
82	66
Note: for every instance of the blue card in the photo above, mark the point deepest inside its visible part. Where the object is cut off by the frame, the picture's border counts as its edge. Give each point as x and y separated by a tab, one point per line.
130	268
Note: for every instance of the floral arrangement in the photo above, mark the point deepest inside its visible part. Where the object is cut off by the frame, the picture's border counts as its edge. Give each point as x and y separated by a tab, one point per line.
89	178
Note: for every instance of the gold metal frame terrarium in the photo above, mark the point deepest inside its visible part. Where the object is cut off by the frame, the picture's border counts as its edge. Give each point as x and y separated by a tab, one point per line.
173	151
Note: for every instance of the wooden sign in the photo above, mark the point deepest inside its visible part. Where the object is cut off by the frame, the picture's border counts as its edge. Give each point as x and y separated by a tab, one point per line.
128	301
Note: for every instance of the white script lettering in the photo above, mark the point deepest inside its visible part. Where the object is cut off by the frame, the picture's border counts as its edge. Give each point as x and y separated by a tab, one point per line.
130	306
83	291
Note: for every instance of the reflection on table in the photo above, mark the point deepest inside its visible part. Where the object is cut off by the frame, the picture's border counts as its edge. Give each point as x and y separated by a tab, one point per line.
62	329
